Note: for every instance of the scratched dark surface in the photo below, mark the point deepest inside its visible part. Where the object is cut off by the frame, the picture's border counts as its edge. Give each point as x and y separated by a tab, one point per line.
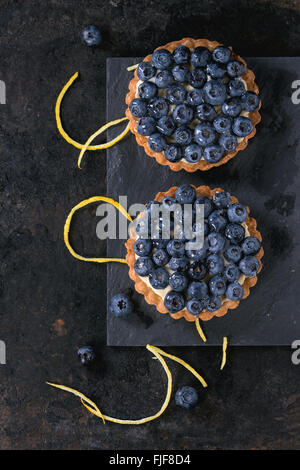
50	303
259	177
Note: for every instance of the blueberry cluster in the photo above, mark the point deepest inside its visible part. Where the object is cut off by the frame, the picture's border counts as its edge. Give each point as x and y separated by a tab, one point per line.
190	103
199	279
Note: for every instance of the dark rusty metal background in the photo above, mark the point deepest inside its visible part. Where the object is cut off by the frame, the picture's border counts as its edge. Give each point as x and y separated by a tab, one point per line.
50	304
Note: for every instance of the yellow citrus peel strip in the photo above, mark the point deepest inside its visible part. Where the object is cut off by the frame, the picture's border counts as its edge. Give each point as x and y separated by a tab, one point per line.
68	223
132	67
184	364
73	142
95	410
224	357
107	144
200	331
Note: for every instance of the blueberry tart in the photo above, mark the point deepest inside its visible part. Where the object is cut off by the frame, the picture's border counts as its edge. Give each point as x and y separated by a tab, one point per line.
189	282
193	104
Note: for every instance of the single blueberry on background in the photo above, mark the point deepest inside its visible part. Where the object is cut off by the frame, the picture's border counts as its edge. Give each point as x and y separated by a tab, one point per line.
86	355
91	36
186	397
120	305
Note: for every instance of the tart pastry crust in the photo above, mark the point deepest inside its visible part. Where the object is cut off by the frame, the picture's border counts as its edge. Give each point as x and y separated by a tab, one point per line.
249	79
154	299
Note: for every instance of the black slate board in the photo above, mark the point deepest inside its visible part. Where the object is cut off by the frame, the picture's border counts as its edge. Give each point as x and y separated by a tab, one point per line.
264	176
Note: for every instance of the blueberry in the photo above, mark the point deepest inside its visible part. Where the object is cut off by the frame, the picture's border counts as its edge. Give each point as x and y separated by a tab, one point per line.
173	153
215	264
222	123
197	78
233	253
176	94
174	301
228	142
232	107
250	101
91	36
185	194
235	233
200	57
186	397
176	248
217	220
181	73
214	303
142	247
217	285
205	112
86	355
249	266
142	227
208	205
232	272
237	213
146	125
213	153
251	246
159	278
197	289
183	114
163	79
204	134
147	90
143	266
181	55
242	126
195	97
221	199
193	153
221	54
157	142
196	270
145	71
235	68
236	87
216	70
160	257
214	92
158	107
120	305
235	291
138	107
216	242
194	306
197	255
178	282
178	264
166	125
183	135
162	59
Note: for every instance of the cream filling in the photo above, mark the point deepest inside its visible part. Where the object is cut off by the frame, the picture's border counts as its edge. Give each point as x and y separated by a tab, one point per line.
188	87
163	292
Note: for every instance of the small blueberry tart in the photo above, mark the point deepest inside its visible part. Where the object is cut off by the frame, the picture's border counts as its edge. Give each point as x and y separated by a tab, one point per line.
201	281
193	104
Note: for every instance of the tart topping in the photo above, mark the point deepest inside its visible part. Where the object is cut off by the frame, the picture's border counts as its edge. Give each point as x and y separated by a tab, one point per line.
207	98
202	278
